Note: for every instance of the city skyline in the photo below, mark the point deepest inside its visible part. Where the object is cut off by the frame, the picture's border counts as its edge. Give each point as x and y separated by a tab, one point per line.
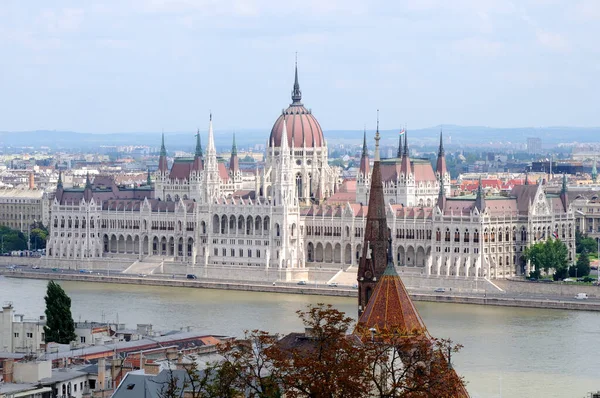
147	66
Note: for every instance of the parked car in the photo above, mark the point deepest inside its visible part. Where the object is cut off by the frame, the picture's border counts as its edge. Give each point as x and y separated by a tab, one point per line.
568	280
333	284
301	283
581	296
440	290
12	267
35	267
355	286
191	276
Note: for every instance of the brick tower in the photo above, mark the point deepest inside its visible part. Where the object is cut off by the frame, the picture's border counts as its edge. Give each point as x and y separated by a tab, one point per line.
373	260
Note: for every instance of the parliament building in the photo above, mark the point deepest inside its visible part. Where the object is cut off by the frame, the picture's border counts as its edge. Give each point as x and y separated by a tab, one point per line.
293	212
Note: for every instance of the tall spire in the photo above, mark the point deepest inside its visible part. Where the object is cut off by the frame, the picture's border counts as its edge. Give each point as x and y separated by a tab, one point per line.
284	137
399	153
594	171
88	183
480	199
377	138
563	193
148	179
163	151
441	168
526	178
234	146
364	159
210	148
296	93
373	260
364	150
162	160
441	202
405	167
59	184
234	163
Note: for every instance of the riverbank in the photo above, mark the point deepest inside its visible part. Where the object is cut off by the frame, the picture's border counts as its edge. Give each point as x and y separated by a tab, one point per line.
504	300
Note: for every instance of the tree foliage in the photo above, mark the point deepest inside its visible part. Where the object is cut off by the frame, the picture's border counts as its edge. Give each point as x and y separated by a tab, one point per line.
60	327
551	254
12	239
584	242
327	362
583	265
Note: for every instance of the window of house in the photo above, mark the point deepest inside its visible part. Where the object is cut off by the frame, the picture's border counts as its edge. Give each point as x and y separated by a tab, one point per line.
16	334
82	339
30	335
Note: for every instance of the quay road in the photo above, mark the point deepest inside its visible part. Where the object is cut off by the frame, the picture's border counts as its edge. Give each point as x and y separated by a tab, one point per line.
497	298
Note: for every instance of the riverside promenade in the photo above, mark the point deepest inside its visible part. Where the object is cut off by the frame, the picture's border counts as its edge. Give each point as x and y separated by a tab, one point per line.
521	298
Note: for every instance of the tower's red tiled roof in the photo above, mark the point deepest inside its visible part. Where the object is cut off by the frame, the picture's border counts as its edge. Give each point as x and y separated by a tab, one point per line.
390	309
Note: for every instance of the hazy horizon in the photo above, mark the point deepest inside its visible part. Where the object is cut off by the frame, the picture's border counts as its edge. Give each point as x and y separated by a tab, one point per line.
148	65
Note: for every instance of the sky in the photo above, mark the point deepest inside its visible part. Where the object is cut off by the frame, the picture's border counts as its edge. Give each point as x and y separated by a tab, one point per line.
151	65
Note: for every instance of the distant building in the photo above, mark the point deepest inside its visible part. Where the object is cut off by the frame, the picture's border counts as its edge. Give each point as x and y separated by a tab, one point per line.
534	145
20	335
20	208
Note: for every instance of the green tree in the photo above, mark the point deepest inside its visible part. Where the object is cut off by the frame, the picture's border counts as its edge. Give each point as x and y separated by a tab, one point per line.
60	327
583	242
11	239
583	265
551	254
38	238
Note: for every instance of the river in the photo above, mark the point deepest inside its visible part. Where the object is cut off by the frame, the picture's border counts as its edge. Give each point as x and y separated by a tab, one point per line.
508	352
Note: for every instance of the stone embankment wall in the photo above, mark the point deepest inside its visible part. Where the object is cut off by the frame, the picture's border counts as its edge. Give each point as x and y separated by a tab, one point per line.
113	264
322	291
552	289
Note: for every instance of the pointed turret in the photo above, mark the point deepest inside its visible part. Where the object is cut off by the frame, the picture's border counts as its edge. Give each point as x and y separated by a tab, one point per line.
296	92
399	152
364	158
148	178
88	183
594	171
564	198
198	161
59	187
441	202
526	178
374	253
480	198
162	160
234	163
441	169
210	148
405	167
87	191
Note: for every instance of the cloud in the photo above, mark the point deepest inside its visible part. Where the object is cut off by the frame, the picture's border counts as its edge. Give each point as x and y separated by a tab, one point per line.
61	21
479	47
552	41
587	10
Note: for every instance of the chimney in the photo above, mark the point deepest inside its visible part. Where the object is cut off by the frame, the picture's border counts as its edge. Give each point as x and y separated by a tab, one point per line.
151	368
171	354
101	373
7	370
31	180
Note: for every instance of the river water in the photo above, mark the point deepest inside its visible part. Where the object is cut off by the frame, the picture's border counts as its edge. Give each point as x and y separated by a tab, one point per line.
508	352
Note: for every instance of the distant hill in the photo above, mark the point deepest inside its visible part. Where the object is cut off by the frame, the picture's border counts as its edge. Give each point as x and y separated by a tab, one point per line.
454	136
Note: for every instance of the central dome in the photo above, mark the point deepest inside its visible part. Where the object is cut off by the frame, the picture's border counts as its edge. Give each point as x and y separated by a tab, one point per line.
302	127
